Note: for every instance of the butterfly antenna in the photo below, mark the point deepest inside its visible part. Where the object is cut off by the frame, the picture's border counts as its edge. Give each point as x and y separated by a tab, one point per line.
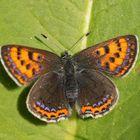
78	41
41	41
53	50
44	36
51	41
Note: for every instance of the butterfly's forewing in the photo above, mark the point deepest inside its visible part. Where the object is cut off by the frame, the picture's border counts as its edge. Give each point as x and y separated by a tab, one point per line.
24	64
97	94
47	99
115	56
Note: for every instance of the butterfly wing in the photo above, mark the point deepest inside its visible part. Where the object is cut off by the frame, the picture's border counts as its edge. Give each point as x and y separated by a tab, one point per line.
24	64
47	100
97	94
115	56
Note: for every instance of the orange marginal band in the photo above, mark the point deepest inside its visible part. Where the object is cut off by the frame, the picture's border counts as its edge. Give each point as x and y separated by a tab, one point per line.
51	114
98	108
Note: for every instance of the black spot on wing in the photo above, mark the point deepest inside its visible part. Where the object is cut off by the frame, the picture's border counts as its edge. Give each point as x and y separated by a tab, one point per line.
106	48
30	55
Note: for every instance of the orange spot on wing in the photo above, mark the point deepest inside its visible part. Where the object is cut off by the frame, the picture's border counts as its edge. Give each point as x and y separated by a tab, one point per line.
123	45
13	54
36	56
22	69
102	51
118	61
29	73
14	57
112	47
112	66
124	49
121	40
13	49
24	55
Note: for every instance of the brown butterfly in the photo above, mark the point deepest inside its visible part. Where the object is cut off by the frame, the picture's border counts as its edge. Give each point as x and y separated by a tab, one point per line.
63	82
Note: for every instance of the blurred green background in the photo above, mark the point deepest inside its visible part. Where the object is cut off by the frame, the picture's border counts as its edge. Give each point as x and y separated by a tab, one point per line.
64	22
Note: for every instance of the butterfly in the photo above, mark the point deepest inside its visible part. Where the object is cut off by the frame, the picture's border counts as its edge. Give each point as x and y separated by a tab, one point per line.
62	83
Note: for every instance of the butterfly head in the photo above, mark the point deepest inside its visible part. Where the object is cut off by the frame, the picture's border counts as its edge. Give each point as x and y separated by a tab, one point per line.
66	55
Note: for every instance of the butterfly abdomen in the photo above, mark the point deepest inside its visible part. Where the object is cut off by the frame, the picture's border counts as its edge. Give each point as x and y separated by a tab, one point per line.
70	82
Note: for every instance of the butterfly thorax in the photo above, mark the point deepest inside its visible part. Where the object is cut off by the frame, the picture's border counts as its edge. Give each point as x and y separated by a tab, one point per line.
71	86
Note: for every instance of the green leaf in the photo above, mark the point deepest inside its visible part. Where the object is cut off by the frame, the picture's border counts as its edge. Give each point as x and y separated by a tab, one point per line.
64	22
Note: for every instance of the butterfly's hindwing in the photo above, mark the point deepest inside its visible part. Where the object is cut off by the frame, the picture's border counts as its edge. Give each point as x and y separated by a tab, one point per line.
97	94
47	99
